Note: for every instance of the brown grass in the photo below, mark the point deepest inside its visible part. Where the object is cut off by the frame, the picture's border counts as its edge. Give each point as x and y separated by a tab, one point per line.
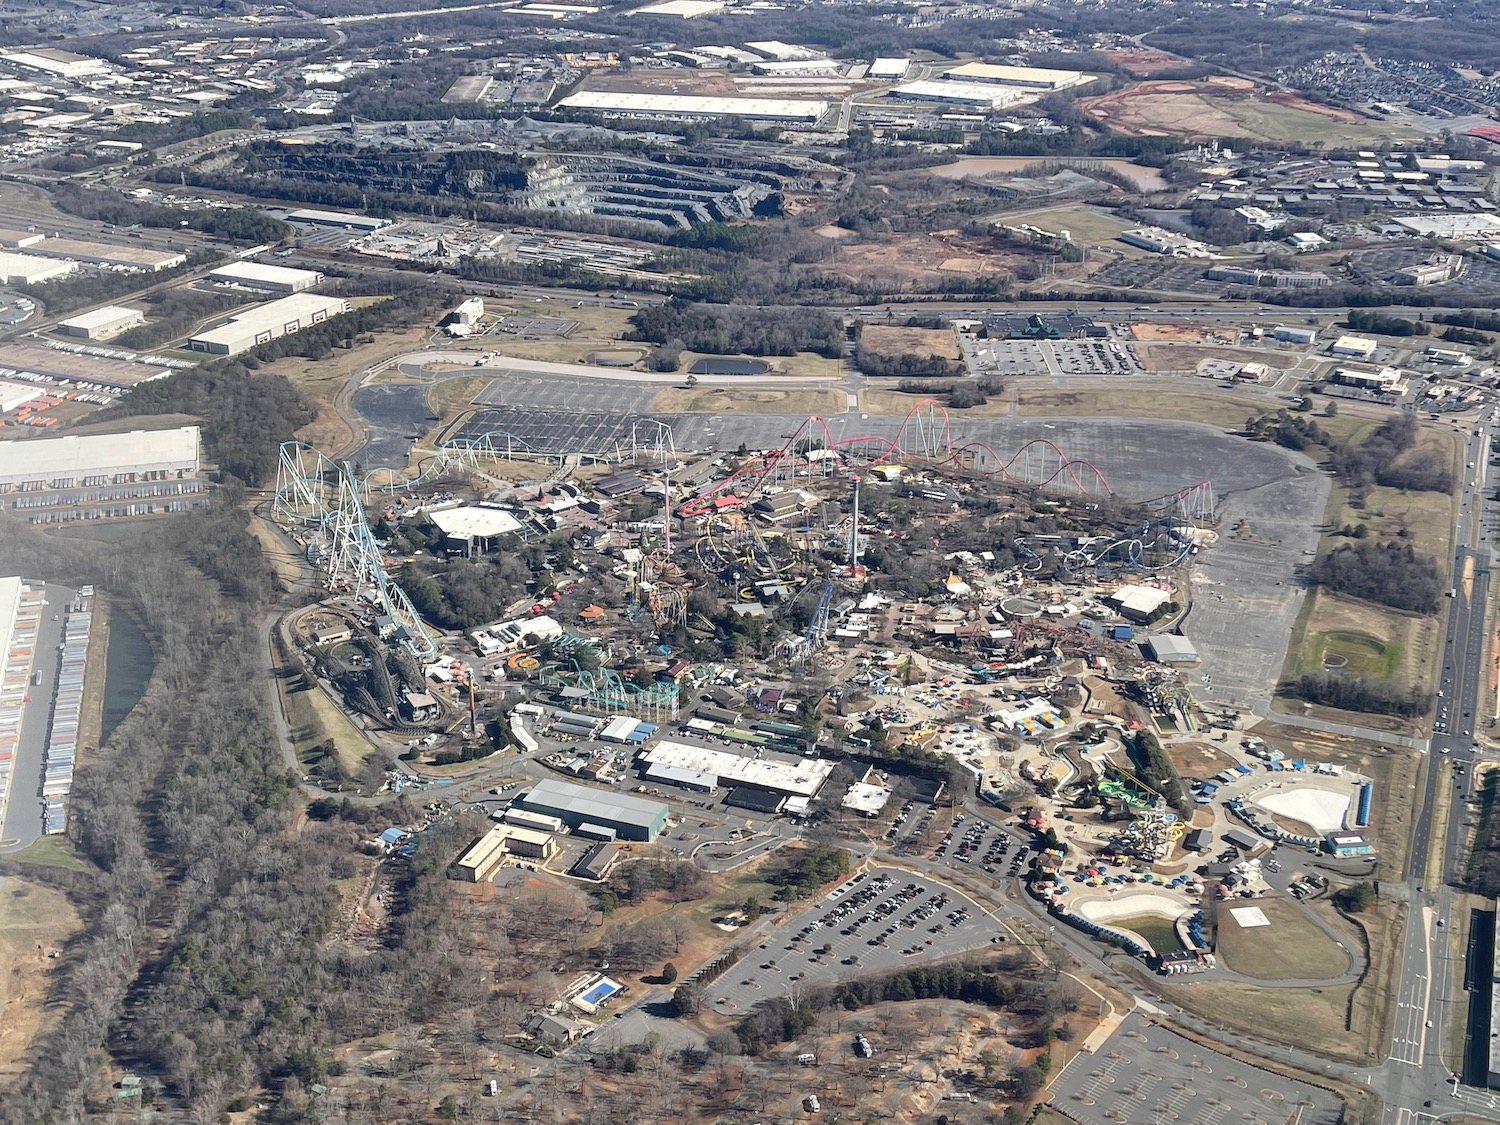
748	400
35	920
889	340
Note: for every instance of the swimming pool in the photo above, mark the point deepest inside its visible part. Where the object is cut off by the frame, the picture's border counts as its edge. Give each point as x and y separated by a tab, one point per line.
597	994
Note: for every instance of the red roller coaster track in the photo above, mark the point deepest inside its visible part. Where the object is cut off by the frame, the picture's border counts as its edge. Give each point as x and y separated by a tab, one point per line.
920	436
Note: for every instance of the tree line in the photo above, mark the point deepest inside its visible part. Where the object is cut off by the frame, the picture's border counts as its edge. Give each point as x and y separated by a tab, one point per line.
1350	691
734	331
1394	574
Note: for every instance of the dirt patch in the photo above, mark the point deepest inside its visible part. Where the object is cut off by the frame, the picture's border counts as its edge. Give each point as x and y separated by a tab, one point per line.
35	921
1218	107
1175	333
1144	63
1227	409
916	262
1198	759
918	341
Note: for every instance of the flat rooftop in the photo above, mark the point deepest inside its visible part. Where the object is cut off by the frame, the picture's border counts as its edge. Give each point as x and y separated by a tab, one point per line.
101	318
109	251
1032	76
75	455
481	523
272	317
691	105
593	804
265	274
801	779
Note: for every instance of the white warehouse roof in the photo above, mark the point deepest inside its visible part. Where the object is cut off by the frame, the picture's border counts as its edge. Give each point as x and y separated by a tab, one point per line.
99	320
27	269
13	395
1031	76
986	94
259	273
77	456
687	105
798	779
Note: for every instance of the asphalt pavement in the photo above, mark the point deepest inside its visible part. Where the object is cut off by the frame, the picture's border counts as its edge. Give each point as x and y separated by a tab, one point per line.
23	811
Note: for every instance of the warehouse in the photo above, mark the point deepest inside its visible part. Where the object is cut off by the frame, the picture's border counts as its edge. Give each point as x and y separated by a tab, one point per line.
693	780
97	459
691	106
59	64
630	818
23	269
13	396
264	323
106	254
984	94
890	69
794	779
102	324
344	219
1168	648
19	239
1028	77
272	279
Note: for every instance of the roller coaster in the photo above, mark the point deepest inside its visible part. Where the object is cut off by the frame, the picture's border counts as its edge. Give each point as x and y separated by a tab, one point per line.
925	435
606	691
318	499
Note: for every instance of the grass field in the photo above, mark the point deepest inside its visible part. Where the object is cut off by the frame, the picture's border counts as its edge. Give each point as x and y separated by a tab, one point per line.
313	718
50	851
1292	948
34	921
1351	650
1160	932
1082	222
748	400
1312	1018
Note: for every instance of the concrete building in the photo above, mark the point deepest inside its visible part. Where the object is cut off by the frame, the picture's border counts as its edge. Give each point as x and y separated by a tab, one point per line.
312	217
102	324
267	322
76	461
1166	242
108	254
486	855
1138	603
986	95
578	806
1359	347
1026	77
1386	380
19	239
1449	356
59	64
892	70
1168	648
693	106
23	269
1442	268
802	778
1294	335
271	279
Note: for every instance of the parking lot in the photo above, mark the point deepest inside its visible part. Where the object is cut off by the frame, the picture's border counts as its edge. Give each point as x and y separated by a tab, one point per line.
1050	357
876	921
1145	1073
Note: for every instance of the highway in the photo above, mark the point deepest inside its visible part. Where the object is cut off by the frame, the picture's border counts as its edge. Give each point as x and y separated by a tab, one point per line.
1416	1073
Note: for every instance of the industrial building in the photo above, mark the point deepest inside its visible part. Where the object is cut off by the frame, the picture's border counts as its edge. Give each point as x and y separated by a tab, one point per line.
107	254
19	239
1027	77
102	324
13	396
98	459
1294	335
984	94
315	218
801	778
271	279
1159	241
611	815
59	64
1138	603
23	269
891	69
1168	648
267	322
693	106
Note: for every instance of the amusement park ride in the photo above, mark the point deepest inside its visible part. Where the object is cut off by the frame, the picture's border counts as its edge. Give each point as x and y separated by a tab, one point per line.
321	502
